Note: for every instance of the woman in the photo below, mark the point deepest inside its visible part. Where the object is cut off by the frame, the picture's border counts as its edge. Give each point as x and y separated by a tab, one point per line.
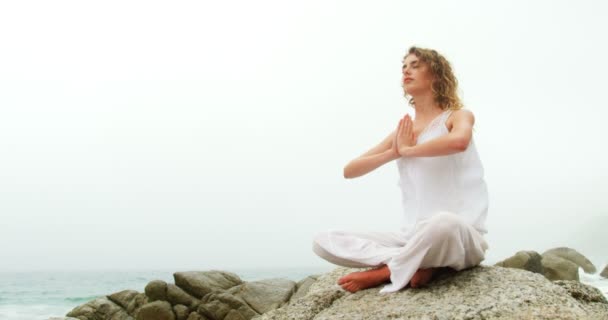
445	198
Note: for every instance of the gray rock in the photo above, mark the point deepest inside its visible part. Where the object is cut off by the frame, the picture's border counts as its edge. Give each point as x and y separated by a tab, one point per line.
196	316
595	302
573	256
123	298
175	295
303	285
138	301
100	308
582	292
157	310
604	272
558	268
526	260
156	290
478	293
217	305
200	283
181	312
265	295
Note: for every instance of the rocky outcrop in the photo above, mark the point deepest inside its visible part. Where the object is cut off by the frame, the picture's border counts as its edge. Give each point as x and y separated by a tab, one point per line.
502	291
572	256
604	272
526	260
479	293
557	268
556	264
207	295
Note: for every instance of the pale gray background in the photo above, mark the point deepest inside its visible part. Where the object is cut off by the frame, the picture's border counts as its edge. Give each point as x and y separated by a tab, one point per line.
197	135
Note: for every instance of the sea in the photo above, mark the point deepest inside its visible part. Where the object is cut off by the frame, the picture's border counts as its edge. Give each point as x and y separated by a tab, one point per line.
40	295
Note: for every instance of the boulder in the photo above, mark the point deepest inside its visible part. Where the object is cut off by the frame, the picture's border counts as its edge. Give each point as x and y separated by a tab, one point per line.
200	283
218	305
138	301
483	292
156	290
265	295
175	295
573	256
196	316
181	312
592	297
558	268
604	272
100	308
526	260
303	285
157	310
123	298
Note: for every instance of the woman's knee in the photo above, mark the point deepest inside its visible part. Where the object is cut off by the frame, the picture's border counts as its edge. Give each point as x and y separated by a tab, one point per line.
445	224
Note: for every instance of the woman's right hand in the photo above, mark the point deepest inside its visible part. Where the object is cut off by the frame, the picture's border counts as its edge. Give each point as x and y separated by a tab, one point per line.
395	145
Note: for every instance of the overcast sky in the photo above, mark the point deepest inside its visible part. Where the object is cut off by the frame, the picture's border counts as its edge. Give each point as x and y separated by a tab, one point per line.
198	135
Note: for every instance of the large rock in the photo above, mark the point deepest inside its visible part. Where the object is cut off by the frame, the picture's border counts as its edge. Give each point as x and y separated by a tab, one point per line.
592	297
129	300
526	260
477	293
181	312
123	298
558	268
223	305
265	295
157	310
303	286
200	283
573	256
99	309
175	295
156	290
604	272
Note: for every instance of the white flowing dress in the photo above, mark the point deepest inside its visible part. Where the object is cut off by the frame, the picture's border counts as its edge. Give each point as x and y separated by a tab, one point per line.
445	204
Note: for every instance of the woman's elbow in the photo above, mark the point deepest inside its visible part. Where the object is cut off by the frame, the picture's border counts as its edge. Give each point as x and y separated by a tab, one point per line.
461	144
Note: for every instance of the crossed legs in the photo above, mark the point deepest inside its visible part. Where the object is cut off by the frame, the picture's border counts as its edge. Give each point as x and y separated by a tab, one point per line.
442	241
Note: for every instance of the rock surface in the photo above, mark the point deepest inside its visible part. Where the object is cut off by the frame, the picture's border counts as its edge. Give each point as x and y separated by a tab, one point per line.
526	260
479	293
558	268
206	295
573	256
604	272
483	292
200	283
265	295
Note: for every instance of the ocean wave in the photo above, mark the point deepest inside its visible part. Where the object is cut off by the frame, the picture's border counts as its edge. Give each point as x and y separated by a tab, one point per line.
81	299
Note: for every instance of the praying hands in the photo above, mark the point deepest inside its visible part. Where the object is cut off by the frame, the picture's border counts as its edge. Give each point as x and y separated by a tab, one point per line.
405	137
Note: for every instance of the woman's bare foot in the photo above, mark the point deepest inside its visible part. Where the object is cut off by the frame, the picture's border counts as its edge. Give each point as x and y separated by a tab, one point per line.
422	277
356	281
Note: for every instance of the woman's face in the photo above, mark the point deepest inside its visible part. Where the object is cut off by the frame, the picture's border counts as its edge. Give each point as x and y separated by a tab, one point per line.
417	78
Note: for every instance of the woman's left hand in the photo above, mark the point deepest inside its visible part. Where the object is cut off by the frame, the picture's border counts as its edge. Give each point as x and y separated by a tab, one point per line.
405	135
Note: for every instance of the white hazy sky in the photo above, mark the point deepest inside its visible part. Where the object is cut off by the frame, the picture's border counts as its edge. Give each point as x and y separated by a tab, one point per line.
213	134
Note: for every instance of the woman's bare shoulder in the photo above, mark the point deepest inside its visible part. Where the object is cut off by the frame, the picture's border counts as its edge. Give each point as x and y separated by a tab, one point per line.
460	115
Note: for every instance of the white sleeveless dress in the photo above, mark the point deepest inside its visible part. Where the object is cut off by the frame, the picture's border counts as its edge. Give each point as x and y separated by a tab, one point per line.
445	204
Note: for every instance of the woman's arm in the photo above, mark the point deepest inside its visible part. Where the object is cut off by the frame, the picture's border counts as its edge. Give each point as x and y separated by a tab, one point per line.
384	152
457	140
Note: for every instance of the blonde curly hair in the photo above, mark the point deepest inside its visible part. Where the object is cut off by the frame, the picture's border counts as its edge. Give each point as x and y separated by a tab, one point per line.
444	84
